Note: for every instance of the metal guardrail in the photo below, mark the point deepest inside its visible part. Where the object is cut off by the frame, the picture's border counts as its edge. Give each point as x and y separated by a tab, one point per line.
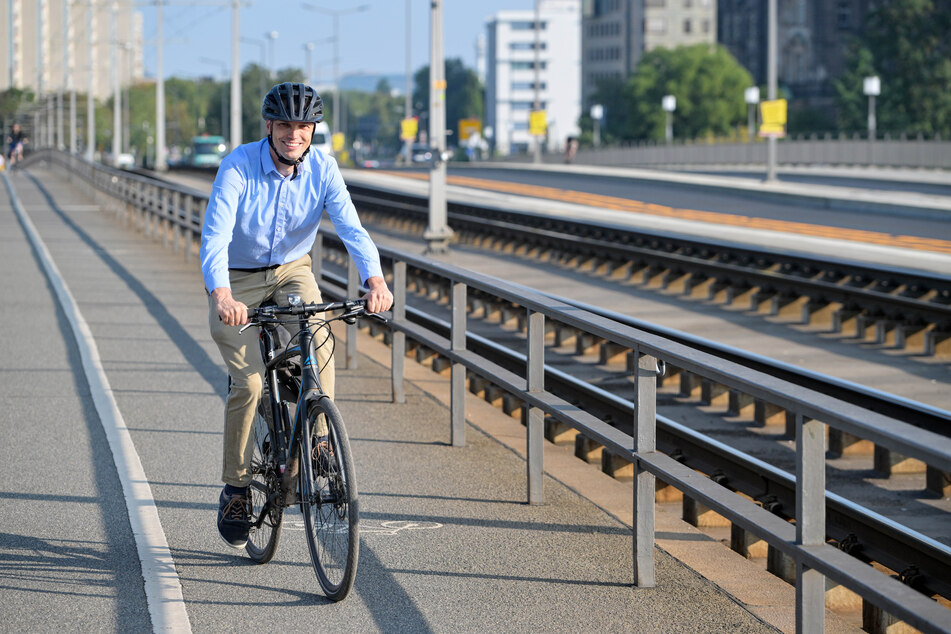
166	210
899	152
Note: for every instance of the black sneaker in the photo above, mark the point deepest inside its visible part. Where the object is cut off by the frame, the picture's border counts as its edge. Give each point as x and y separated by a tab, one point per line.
233	524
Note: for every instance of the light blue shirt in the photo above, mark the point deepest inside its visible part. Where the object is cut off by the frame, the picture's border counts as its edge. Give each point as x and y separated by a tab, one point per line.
256	217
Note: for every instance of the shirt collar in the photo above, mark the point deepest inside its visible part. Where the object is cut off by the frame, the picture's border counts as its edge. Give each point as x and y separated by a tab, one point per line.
267	163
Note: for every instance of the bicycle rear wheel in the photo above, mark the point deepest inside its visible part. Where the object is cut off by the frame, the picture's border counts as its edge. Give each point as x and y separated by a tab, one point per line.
265	480
329	501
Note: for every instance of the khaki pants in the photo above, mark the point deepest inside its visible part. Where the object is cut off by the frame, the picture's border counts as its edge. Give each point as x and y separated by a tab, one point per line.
242	356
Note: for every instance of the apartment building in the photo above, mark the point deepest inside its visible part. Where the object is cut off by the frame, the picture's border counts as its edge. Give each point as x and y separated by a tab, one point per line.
57	45
812	37
523	63
616	33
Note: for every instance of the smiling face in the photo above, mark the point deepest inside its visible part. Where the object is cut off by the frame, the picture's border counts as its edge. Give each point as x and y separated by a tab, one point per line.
290	138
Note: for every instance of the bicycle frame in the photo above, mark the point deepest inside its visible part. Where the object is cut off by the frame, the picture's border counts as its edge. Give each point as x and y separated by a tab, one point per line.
309	378
286	440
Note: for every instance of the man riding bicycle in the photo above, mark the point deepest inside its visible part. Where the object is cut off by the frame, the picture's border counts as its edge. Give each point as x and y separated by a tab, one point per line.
15	145
260	224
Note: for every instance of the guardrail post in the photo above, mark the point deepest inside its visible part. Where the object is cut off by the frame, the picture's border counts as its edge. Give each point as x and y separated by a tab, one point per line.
317	257
353	290
177	223
535	428
165	212
189	232
398	349
645	441
810	521
457	379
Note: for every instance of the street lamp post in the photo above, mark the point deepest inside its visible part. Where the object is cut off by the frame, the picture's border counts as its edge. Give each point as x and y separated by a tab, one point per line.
308	49
669	103
771	53
161	159
537	105
437	234
91	80
872	87
336	13
236	131
116	93
597	114
408	97
271	38
751	96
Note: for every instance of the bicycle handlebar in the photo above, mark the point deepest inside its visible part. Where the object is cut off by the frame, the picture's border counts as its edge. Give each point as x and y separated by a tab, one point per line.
352	308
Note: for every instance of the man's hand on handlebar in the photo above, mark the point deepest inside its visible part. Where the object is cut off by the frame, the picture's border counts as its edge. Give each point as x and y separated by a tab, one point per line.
230	311
379	297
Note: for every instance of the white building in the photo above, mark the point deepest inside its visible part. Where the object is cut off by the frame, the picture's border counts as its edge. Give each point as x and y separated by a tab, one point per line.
56	45
512	81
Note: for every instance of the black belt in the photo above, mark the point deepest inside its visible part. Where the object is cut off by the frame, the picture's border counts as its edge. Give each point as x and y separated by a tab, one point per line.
257	270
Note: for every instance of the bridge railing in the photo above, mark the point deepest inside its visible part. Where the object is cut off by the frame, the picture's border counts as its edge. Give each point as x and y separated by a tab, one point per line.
173	214
887	152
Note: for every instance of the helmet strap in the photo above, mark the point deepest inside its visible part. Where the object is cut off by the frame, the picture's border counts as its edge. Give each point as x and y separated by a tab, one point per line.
283	160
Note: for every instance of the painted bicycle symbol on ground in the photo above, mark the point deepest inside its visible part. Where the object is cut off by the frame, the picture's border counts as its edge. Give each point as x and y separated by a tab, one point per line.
370	527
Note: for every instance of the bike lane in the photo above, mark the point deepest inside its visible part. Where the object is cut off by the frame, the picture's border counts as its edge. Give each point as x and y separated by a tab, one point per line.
65	539
447	540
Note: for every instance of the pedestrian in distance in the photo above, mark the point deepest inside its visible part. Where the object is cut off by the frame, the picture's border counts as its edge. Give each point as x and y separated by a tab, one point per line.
15	141
260	225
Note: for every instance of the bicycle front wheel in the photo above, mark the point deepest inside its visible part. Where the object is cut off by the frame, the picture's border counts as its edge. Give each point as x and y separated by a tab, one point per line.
266	518
329	499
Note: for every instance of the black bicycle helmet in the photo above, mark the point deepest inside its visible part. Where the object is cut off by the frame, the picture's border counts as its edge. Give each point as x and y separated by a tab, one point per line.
293	101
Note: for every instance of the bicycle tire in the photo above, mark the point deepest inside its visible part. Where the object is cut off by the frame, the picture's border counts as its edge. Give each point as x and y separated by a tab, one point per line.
263	540
329	502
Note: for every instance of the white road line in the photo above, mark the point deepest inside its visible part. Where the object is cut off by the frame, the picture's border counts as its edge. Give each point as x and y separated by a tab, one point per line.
163	590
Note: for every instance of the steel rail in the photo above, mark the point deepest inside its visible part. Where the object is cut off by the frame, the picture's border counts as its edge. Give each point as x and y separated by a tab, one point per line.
914	298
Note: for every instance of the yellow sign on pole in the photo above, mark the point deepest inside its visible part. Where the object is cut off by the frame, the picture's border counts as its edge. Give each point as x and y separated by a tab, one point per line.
774	118
537	123
468	127
337	140
409	128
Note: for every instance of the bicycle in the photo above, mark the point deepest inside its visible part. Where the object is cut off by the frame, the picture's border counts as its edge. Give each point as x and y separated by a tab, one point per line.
301	451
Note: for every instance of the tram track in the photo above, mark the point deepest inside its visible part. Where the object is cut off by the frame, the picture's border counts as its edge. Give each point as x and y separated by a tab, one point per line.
905	308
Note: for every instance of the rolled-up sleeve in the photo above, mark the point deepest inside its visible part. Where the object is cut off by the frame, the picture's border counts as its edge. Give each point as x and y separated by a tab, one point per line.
218	228
344	217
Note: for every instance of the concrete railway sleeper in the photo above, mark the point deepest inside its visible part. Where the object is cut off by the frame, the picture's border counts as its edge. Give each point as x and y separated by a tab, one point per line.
794	519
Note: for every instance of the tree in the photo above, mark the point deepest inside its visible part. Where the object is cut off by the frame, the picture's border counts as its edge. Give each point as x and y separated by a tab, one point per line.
463	95
707	81
906	44
12	102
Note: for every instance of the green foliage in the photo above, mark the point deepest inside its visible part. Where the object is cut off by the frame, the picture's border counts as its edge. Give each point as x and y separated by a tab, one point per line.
463	96
373	120
13	102
851	103
906	44
706	80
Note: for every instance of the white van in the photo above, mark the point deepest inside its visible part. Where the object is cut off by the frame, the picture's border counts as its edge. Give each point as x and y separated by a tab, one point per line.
322	140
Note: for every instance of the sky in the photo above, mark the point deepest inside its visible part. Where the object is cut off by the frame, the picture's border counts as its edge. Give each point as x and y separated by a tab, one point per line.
372	41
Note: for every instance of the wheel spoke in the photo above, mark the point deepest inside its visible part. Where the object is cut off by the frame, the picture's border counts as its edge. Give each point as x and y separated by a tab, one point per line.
331	513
